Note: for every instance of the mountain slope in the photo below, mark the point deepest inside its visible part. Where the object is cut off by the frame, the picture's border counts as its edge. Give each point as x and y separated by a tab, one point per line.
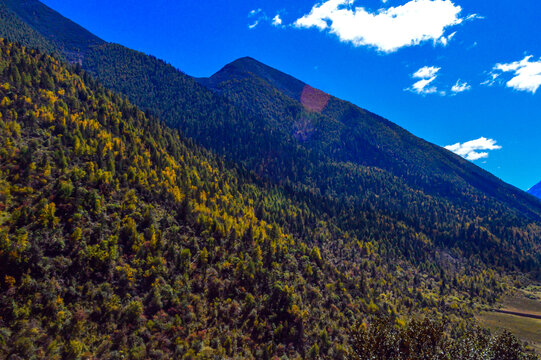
536	190
347	154
15	29
362	171
71	40
341	133
121	239
353	134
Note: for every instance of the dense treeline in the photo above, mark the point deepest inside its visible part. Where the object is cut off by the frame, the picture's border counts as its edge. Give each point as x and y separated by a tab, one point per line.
121	239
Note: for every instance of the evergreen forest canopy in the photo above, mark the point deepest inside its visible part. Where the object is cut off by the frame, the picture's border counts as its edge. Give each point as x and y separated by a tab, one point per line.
316	222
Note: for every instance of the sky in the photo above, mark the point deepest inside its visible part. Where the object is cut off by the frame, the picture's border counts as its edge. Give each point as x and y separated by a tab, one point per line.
465	75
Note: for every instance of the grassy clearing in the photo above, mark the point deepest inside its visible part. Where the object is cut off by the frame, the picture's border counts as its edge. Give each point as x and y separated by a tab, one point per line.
528	330
527	301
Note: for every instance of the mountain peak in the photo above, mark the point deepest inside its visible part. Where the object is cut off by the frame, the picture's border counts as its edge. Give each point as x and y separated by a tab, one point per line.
246	60
72	40
536	190
248	67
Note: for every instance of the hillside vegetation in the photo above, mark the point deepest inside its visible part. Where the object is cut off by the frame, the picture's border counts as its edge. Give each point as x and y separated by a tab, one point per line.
368	176
121	239
246	215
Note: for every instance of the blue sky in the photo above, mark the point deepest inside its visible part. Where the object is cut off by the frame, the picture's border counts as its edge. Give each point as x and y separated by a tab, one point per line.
463	74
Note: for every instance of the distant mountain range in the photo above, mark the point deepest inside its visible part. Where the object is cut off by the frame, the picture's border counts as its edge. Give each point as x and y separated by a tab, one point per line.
536	190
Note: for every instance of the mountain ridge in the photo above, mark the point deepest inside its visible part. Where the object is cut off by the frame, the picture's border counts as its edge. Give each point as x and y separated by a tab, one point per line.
225	75
71	39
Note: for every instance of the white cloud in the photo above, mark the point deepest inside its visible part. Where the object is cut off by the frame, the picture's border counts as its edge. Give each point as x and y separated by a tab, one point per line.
460	87
493	79
257	15
526	74
422	86
474	17
388	29
474	149
426	72
445	40
254	12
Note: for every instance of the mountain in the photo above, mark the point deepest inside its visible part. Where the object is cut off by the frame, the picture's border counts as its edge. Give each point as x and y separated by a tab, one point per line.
355	162
123	237
351	134
68	38
536	190
358	169
119	238
340	140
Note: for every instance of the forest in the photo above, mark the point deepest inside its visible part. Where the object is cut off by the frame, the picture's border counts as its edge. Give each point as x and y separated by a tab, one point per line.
122	238
347	162
147	214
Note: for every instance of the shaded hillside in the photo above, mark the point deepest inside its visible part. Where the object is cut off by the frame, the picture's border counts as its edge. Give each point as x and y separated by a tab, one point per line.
15	29
341	153
338	134
347	133
70	39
